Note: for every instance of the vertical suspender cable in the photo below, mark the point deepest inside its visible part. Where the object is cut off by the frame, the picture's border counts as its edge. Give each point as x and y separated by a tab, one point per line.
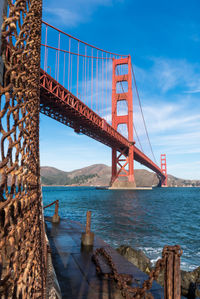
97	82
88	79
83	58
92	79
77	71
71	74
64	71
45	51
102	86
58	57
69	62
56	64
47	60
85	71
106	88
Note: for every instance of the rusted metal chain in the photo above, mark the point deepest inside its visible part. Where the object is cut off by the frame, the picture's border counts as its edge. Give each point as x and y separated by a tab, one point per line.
122	280
56	217
51	204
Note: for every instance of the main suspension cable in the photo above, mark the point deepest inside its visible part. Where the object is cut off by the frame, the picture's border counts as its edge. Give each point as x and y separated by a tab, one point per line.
142	113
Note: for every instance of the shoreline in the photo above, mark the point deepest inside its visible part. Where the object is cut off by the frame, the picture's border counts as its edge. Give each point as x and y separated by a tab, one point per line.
108	187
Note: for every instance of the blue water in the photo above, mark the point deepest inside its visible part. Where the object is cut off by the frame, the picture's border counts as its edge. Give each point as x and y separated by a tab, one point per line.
147	219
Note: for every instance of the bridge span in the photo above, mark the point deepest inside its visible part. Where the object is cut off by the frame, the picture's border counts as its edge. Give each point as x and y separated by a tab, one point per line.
91	90
60	104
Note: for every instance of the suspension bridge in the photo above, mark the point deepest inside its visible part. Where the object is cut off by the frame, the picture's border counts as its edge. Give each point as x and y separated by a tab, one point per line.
91	90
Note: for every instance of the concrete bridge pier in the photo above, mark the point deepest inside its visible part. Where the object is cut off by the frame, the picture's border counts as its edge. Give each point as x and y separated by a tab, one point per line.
123	185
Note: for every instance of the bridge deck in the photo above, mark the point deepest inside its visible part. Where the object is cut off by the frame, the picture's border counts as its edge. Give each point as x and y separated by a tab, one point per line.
76	272
61	105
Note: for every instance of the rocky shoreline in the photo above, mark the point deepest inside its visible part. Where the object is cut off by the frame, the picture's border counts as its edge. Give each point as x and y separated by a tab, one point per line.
190	281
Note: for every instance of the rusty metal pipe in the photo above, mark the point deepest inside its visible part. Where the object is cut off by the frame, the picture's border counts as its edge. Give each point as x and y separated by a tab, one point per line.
87	238
56	207
172	283
88	222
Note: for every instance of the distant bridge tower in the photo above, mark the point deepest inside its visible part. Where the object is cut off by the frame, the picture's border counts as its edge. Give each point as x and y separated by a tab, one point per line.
163	167
122	163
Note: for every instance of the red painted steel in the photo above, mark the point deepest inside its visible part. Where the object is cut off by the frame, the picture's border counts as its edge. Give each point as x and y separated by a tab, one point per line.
58	103
122	119
163	163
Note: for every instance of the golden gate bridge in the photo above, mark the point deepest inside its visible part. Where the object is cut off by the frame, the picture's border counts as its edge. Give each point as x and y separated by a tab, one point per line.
91	90
83	87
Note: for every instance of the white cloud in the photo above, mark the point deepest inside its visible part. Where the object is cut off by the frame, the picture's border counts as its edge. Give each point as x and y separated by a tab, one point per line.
170	117
73	13
173	129
186	169
63	15
168	74
170	96
193	91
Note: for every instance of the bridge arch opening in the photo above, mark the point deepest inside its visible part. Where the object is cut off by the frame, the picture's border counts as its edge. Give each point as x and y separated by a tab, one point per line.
122	87
123	129
121	69
122	107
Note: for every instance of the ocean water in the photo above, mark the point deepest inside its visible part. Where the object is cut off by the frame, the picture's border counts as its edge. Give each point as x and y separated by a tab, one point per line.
146	219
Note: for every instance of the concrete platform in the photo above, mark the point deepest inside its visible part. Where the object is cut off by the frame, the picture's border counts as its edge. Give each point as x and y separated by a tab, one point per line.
75	271
124	188
130	188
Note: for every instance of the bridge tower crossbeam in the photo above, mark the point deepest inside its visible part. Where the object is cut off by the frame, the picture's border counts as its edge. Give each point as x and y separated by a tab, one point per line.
123	161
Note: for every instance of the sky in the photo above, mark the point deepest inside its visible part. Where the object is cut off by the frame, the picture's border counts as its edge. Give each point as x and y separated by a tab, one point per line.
163	39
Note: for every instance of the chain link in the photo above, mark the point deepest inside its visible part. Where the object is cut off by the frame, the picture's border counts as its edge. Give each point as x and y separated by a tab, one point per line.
122	280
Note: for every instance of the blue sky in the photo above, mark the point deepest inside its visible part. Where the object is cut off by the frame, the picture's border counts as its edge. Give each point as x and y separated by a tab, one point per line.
163	39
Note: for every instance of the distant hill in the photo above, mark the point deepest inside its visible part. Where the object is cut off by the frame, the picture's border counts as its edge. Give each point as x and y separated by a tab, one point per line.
100	174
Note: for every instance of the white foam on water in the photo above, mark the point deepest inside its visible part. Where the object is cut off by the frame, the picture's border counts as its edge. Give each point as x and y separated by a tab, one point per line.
153	261
155	253
152	251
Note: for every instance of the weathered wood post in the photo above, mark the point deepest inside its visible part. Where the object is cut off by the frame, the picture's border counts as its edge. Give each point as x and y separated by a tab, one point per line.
172	278
56	217
87	238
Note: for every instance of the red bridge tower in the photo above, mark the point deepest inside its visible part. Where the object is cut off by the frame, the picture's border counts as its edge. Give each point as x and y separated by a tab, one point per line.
163	167
123	162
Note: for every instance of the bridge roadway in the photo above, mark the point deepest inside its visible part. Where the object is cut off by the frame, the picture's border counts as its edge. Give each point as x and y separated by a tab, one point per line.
60	104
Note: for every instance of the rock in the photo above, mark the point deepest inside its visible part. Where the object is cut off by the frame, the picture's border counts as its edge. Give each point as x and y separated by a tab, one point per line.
136	257
140	260
190	281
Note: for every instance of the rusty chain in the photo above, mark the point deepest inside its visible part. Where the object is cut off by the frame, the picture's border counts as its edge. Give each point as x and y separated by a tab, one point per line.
55	202
22	249
123	280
